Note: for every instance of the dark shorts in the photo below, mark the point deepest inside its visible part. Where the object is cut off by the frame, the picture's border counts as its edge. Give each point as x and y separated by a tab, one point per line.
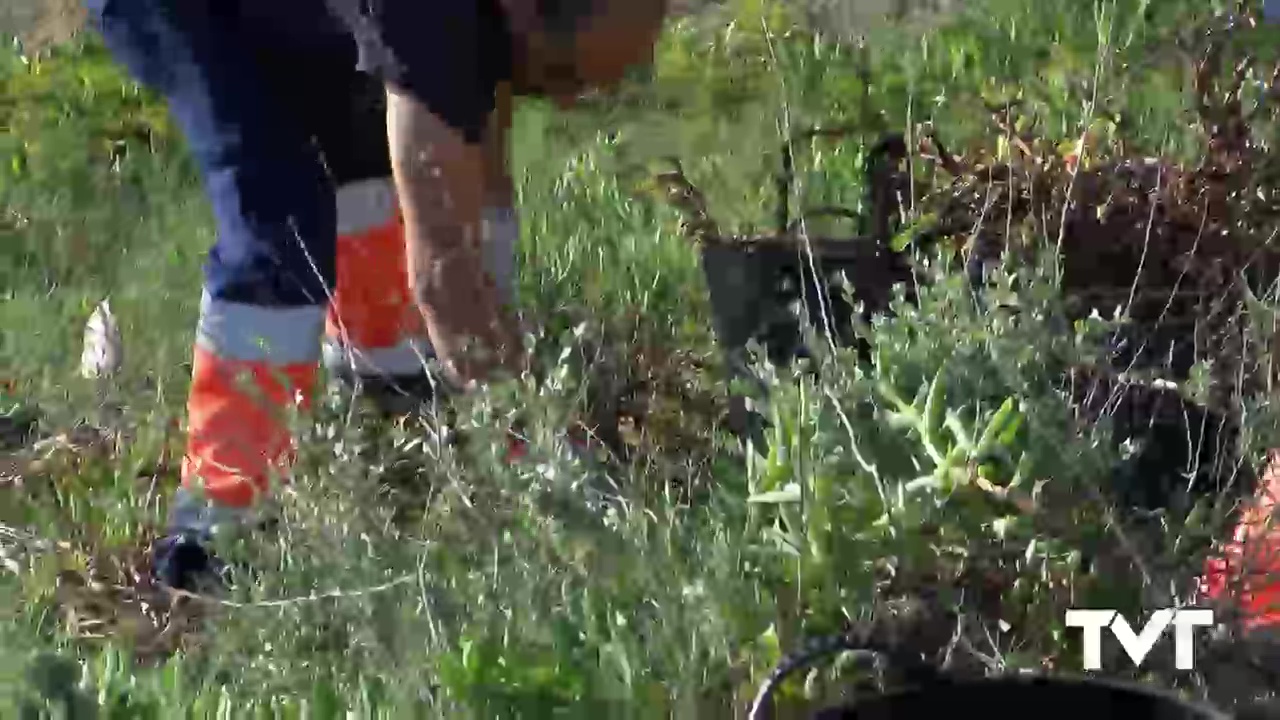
282	100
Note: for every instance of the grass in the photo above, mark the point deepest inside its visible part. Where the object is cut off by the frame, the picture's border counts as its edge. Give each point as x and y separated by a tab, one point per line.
411	578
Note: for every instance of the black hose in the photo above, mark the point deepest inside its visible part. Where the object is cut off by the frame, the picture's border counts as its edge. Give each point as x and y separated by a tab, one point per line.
814	650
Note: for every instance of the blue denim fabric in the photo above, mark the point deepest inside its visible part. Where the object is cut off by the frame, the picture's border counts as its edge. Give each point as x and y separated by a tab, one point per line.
275	113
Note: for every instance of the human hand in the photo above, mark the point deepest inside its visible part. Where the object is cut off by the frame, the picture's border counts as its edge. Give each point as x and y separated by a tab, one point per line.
440	179
474	333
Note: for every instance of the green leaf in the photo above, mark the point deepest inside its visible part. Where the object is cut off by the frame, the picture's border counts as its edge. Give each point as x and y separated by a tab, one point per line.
964	439
1023	470
788	494
996	426
900	421
903	239
888	393
1011	429
926	482
935	408
771	648
325	701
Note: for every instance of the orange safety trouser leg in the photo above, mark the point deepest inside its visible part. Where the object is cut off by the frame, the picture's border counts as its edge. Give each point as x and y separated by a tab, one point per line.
251	364
1250	563
373	326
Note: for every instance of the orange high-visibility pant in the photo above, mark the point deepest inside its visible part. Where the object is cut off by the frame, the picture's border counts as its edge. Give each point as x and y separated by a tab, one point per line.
1246	574
290	140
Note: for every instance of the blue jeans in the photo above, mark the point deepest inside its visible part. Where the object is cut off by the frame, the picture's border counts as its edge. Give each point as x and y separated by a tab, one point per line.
276	114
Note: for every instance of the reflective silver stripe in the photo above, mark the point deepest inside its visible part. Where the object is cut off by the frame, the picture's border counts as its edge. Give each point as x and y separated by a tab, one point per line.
365	204
407	358
280	336
190	511
501	236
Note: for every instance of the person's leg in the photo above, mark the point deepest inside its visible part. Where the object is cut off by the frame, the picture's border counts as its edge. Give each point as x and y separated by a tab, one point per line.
1247	572
374	331
267	277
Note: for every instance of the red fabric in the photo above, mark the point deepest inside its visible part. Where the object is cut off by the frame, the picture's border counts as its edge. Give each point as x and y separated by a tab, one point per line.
236	432
372	302
1250	562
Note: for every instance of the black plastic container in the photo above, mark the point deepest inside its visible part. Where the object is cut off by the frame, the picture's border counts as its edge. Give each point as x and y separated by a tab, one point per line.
755	282
934	694
1023	697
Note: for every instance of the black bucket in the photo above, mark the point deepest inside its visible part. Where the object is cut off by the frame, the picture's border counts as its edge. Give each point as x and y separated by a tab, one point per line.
753	281
993	698
1023	697
752	284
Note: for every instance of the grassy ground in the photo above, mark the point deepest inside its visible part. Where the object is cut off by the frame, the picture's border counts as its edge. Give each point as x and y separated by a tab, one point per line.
414	578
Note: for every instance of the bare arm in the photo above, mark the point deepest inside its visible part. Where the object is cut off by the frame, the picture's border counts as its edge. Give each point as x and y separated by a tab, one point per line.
441	182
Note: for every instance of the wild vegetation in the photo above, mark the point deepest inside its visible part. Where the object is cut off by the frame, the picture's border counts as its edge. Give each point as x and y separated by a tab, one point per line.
982	460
